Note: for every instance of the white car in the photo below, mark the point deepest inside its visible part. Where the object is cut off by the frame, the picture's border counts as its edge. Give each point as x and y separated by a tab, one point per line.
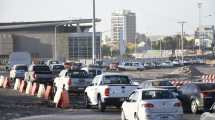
152	104
131	66
167	64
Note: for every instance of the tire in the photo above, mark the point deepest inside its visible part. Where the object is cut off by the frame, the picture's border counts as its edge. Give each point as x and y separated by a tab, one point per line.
123	115
86	100
101	106
194	107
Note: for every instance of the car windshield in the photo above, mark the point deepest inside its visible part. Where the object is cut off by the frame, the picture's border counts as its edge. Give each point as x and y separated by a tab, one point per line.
77	74
116	79
157	94
41	68
22	68
161	83
61	67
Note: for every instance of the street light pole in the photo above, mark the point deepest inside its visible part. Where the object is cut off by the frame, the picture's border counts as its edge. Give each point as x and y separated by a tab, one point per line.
182	38
94	34
55	43
200	24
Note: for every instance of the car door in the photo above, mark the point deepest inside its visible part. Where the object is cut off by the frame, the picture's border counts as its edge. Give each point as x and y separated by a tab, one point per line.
131	105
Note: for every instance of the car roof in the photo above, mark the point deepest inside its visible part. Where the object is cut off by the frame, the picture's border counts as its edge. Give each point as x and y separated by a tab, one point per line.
156	80
150	89
109	73
20	65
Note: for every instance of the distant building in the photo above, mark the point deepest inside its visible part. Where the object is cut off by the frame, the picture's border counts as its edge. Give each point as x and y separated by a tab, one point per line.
205	36
123	26
38	38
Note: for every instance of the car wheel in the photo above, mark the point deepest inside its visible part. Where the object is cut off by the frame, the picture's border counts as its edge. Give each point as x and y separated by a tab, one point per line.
86	99
101	106
123	115
194	107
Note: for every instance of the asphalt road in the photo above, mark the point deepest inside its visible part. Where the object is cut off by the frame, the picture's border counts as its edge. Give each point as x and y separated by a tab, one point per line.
14	105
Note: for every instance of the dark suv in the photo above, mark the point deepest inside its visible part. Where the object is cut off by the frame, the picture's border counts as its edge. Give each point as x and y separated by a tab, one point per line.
197	97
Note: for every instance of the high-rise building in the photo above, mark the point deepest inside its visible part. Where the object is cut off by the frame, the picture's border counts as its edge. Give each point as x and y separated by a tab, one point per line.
205	36
123	27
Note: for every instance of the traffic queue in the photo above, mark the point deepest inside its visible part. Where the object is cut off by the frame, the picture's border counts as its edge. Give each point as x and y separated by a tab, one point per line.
150	99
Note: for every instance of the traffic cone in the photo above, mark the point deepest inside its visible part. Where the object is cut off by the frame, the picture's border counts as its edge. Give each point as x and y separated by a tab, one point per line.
28	88
17	84
22	86
64	101
6	83
34	89
41	91
1	81
57	96
48	92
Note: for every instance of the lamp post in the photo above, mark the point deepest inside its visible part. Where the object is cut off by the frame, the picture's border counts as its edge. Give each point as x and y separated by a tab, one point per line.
182	38
94	34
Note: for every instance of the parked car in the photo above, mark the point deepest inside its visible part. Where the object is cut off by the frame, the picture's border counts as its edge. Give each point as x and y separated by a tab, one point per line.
18	71
131	66
73	80
149	65
162	83
197	97
56	68
187	62
108	89
209	115
152	104
176	62
166	64
39	73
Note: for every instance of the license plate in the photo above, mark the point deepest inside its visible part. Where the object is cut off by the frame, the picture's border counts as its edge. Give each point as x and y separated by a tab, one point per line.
80	88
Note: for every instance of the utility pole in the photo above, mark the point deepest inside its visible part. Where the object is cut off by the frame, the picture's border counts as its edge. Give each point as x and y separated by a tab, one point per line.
200	25
182	38
94	34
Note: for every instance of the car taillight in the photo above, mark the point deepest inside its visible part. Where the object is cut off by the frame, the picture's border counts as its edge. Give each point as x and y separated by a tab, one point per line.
148	105
107	91
69	81
204	94
178	104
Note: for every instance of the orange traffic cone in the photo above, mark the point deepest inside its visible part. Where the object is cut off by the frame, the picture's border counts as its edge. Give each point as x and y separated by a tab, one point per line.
22	86
64	101
34	89
6	83
48	92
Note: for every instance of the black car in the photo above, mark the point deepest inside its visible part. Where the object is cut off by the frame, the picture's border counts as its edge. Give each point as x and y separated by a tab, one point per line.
197	97
209	115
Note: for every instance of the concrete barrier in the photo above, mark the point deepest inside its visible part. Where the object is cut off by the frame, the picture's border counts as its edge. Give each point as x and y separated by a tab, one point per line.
1	81
41	91
28	88
17	84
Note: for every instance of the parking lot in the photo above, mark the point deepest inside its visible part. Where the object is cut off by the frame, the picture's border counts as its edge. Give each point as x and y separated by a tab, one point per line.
16	105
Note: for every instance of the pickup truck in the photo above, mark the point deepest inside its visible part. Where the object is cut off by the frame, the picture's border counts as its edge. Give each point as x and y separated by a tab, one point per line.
73	80
108	89
39	73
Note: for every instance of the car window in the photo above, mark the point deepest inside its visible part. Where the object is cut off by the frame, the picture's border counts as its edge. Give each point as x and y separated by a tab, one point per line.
157	94
116	79
161	83
77	74
41	68
25	68
58	67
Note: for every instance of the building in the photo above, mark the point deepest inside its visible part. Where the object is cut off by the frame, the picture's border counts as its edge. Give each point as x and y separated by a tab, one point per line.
38	38
205	36
123	27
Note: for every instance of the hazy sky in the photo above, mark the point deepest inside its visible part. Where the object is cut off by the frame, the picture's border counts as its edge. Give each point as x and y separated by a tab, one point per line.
153	16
